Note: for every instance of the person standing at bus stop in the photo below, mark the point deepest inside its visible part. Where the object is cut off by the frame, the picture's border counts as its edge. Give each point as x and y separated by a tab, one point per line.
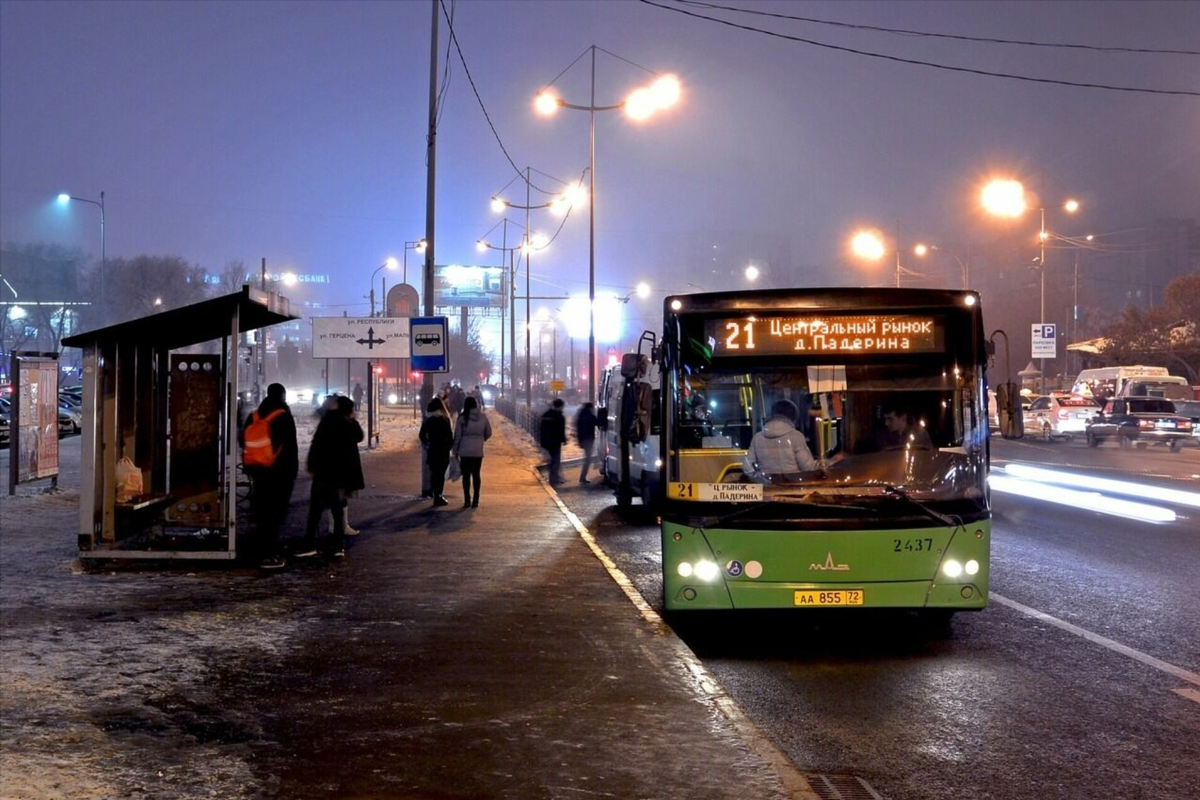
437	438
336	470
470	432
270	457
585	434
553	435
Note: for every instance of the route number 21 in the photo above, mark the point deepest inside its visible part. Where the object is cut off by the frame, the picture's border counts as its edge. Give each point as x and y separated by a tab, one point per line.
731	341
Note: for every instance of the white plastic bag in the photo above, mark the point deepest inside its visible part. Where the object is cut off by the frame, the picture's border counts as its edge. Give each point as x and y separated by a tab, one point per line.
129	480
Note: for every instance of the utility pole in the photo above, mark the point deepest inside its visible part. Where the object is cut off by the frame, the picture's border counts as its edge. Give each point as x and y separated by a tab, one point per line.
528	249
430	188
512	327
592	239
503	284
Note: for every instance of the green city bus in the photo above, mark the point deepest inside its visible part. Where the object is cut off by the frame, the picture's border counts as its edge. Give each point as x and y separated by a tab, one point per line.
885	389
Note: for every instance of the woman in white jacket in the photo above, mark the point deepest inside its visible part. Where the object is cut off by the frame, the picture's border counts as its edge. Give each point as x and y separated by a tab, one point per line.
470	432
778	449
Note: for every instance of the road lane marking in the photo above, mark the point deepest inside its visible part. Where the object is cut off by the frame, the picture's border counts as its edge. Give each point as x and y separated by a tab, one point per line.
793	781
1189	693
1103	641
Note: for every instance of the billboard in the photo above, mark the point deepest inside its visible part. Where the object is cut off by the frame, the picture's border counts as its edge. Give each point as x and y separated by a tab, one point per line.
472	287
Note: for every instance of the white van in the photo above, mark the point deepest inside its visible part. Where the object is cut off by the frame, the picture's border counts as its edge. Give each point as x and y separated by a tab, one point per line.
644	461
1106	382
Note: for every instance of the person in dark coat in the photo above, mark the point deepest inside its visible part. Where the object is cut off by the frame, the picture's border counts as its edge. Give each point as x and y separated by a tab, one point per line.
585	434
470	432
273	485
553	430
438	439
336	469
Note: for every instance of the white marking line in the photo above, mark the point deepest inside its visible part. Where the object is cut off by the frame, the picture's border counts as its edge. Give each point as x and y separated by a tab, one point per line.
793	780
1116	647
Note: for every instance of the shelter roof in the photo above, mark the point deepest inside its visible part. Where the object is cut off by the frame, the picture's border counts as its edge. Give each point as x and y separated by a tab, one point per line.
195	323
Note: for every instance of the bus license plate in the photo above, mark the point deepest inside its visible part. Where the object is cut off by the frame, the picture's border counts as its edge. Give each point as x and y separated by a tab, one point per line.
828	597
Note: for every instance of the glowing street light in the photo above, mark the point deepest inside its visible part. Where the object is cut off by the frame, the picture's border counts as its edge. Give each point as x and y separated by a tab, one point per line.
641	104
868	245
1071	206
481	246
643	290
921	249
1004	198
289	278
64	199
752	273
498	205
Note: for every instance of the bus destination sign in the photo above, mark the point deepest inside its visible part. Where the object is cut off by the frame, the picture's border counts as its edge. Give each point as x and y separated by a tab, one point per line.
762	335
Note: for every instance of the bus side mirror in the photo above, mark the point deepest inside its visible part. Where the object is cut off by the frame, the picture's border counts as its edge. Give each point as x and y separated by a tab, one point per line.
1008	405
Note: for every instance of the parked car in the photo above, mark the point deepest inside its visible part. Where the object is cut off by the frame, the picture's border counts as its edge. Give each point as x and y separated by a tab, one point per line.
993	411
4	426
1140	421
1060	416
1191	410
74	413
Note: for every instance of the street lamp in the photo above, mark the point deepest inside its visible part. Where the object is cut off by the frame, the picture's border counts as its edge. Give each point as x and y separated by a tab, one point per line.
392	264
1006	198
642	290
871	246
963	268
64	199
419	246
752	273
640	105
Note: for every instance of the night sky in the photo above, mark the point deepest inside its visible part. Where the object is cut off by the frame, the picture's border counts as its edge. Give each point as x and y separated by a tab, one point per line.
296	131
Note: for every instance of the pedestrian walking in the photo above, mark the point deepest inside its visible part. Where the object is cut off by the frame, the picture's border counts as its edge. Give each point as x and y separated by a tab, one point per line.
553	435
356	395
270	457
438	439
477	393
585	434
470	432
336	470
457	398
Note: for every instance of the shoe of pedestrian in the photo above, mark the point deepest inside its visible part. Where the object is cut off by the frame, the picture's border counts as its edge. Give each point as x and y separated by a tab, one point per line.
305	551
351	531
440	501
584	480
467	503
475	503
338	554
273	562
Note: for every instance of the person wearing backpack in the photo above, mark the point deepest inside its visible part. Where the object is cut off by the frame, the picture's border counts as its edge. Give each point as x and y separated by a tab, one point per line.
553	435
271	458
470	432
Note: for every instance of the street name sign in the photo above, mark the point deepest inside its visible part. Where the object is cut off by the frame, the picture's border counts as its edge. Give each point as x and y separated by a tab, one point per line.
430	340
1045	341
360	337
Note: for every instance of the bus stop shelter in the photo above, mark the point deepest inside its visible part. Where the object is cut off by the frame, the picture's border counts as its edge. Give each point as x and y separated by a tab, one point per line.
158	461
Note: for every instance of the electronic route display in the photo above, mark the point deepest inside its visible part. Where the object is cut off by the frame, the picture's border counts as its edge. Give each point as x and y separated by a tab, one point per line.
795	334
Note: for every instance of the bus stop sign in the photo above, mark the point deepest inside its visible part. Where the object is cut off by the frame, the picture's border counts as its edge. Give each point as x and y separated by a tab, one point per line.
430	340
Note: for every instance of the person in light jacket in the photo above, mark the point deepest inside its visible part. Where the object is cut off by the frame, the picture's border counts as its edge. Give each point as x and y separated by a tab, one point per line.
470	432
778	449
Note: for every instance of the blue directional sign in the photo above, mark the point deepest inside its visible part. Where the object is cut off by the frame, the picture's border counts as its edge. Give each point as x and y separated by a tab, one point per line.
430	340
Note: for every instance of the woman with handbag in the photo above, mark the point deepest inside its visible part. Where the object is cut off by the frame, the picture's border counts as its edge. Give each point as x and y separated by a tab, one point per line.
471	431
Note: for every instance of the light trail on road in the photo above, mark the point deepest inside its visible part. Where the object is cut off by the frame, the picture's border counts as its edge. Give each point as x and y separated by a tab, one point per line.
1084	501
1142	490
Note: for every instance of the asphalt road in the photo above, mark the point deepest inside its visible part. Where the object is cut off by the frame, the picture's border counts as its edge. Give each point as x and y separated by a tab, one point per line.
1087	703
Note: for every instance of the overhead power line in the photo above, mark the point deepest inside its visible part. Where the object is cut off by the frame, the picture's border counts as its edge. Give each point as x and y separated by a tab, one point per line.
920	63
931	34
479	99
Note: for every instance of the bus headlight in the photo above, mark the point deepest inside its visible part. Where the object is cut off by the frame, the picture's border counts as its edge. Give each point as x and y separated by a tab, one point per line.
707	570
685	569
972	567
953	569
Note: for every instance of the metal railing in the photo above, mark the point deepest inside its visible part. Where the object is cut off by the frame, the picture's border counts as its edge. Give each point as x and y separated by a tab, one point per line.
522	416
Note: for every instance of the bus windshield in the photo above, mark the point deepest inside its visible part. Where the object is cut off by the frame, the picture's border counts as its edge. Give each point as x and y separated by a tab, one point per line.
910	425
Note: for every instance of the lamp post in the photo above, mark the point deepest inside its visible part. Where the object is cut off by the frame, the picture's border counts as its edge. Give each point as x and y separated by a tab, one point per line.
66	198
1006	198
964	268
639	105
419	246
391	264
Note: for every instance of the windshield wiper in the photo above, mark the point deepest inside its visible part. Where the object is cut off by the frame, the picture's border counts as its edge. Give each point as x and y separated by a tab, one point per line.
902	494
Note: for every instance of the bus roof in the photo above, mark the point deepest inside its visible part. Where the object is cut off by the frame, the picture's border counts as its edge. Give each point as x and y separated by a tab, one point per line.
829	298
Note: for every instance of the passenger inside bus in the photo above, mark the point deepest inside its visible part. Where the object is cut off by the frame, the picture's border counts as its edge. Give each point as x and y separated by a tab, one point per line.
902	431
779	451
